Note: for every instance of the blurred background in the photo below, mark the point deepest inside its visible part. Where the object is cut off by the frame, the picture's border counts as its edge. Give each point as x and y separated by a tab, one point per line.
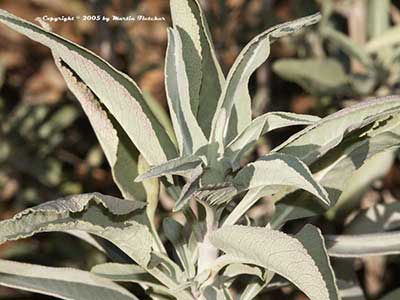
48	149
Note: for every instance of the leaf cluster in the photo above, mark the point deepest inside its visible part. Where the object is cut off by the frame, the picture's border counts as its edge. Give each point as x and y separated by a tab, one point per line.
195	156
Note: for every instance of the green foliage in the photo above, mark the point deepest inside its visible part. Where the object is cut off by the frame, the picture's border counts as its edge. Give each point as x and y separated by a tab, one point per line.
371	64
200	165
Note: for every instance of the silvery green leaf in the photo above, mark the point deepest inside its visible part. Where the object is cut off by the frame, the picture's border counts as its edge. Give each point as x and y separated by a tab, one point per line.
123	272
117	147
270	175
275	251
188	132
108	217
207	251
63	283
259	126
251	198
233	113
234	266
119	94
318	76
190	187
202	68
182	166
162	115
152	188
193	232
279	170
256	286
167	266
378	218
129	273
317	139
335	169
348	46
389	38
215	293
168	273
227	294
253	288
393	295
234	270
173	230
359	183
216	194
362	245
312	239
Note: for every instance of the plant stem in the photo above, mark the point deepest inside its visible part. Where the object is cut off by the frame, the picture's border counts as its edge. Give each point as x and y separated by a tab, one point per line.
170	284
207	252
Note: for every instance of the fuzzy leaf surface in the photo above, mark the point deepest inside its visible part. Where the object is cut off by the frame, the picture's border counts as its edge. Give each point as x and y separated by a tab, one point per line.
312	239
202	67
179	166
119	94
117	147
63	283
276	252
362	245
234	106
316	140
336	168
129	273
279	170
108	217
188	132
260	126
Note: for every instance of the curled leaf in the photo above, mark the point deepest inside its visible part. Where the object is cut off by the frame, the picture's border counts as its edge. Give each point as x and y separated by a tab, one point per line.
113	219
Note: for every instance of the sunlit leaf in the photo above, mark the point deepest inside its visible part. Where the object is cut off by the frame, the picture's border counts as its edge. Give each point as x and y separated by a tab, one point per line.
362	245
335	169
110	218
117	147
276	252
129	273
63	283
317	139
234	107
182	166
203	70
189	134
119	94
279	170
259	126
312	239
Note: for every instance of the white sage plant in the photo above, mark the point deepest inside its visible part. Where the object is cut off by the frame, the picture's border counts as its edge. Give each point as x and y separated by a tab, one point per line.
197	156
